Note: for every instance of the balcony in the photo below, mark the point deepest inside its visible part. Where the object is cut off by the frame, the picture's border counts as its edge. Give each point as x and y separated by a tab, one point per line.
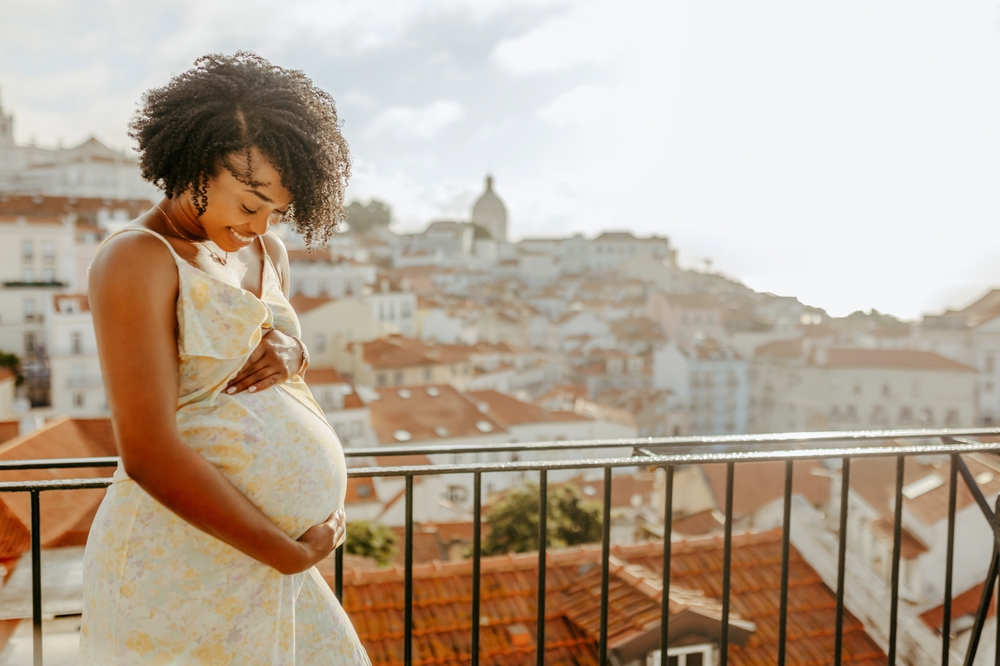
781	595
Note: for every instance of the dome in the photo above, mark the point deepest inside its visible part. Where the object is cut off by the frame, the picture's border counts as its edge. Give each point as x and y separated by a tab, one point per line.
490	213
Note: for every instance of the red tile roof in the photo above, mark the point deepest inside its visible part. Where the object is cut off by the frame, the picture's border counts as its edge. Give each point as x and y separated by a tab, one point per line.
66	515
907	359
8	429
966	603
874	479
757	484
428	413
302	304
373	599
318	375
81	301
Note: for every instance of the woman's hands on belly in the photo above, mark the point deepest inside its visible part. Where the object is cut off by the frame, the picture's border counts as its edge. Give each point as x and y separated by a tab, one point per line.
321	540
276	358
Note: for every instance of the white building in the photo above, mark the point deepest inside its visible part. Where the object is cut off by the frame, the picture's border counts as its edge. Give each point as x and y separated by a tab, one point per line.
90	169
798	386
972	337
394	311
76	385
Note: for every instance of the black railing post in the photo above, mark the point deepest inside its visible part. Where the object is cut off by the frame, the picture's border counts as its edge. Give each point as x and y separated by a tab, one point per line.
897	538
668	520
845	494
727	561
949	565
477	550
408	578
605	568
786	531
543	541
338	571
36	578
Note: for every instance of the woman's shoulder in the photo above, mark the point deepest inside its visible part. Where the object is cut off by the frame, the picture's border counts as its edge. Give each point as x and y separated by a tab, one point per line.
276	248
134	254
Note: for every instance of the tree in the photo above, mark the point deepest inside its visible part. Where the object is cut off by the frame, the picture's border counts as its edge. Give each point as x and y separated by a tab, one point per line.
365	218
371	540
514	521
12	363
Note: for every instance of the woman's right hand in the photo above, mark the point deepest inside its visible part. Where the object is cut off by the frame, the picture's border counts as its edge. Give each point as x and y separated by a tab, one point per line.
320	540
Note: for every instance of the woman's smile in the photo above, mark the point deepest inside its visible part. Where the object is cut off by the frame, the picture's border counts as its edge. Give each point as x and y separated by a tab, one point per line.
241	240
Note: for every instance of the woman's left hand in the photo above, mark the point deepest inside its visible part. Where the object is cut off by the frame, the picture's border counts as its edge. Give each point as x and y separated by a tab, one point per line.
275	359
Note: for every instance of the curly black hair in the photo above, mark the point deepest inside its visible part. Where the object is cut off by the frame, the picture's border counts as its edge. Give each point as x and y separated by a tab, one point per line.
227	105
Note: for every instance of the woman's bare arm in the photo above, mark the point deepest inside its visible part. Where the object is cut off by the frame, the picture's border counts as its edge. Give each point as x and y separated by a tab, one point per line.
133	293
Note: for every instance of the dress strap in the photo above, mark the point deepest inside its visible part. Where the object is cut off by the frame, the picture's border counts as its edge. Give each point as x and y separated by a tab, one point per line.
144	230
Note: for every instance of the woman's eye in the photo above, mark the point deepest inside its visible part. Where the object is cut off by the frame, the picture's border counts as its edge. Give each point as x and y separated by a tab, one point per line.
248	210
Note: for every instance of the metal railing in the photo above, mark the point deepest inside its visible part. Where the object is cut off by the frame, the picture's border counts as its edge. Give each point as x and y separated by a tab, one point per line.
663	452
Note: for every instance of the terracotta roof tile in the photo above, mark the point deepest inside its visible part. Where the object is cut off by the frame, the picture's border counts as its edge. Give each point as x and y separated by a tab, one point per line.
317	375
63	512
759	483
442	592
8	429
966	603
428	413
302	304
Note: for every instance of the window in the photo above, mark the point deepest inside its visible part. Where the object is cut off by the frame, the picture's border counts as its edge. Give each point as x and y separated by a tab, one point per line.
48	251
427	374
456	494
692	655
48	275
989	363
381	379
27	250
852	413
78	398
857	389
926	416
319	341
878	414
915	388
397	378
76	343
27	275
886	390
28	308
951	420
988	387
29	342
905	415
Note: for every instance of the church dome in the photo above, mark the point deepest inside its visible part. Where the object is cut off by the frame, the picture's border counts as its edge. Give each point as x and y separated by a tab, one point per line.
490	213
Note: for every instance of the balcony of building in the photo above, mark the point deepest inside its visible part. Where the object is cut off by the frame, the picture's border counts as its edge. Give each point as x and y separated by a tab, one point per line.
844	580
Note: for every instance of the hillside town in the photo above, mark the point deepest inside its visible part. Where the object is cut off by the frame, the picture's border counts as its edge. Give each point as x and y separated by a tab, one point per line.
460	335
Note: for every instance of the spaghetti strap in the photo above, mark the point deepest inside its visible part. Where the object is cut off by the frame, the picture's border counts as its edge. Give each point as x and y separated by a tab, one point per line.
144	230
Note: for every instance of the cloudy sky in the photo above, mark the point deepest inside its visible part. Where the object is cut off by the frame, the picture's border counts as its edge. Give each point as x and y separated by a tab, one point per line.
844	152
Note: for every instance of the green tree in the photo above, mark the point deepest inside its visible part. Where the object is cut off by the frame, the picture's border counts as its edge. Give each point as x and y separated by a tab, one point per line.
514	521
365	218
12	363
371	540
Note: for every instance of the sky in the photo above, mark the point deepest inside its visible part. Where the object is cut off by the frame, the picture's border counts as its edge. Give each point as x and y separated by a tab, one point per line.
847	153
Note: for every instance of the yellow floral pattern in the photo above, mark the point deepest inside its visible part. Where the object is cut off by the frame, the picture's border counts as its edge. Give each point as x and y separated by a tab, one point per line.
158	590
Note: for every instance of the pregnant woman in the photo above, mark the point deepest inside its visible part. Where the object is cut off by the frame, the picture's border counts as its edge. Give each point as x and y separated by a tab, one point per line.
232	483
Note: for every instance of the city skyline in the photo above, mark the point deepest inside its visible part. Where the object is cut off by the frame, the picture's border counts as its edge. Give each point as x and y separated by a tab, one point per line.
843	156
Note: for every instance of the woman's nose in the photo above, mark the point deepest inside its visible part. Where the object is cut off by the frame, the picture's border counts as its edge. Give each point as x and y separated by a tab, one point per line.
259	227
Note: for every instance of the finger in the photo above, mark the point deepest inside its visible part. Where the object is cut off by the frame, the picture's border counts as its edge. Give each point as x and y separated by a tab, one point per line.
248	369
258	381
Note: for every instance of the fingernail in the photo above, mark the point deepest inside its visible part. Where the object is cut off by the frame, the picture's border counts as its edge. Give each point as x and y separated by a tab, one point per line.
231	390
251	389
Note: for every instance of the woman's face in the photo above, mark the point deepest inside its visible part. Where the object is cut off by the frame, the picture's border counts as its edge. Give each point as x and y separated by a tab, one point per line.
237	212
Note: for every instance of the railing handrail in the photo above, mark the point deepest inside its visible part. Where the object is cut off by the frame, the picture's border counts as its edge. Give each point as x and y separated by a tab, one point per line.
685	445
810	448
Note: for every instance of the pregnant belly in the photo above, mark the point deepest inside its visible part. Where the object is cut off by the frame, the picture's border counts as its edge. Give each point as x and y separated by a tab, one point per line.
279	453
